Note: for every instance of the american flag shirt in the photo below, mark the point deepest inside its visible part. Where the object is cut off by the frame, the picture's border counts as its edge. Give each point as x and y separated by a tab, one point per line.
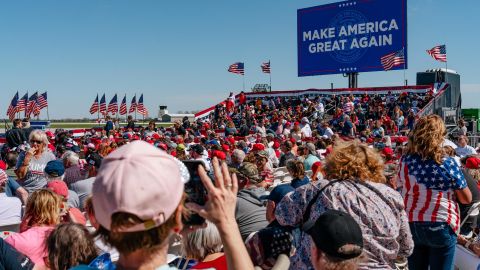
428	189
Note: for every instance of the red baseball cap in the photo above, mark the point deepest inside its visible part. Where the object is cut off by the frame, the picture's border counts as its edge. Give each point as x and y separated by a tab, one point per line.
3	165
58	187
315	166
219	154
276	145
472	163
387	151
258	147
226	148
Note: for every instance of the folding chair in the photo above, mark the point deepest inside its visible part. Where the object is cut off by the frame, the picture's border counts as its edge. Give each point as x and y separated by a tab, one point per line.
472	212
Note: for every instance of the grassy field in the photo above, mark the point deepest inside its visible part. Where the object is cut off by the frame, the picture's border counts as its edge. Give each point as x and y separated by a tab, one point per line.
54	125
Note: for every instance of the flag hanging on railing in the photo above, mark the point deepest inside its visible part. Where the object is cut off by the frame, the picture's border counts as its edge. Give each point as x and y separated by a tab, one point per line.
133	104
12	108
140	107
123	106
438	53
113	105
103	105
42	101
94	108
265	67
237	68
393	59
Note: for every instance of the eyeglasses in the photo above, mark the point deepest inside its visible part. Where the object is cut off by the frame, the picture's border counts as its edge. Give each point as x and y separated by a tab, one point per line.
35	141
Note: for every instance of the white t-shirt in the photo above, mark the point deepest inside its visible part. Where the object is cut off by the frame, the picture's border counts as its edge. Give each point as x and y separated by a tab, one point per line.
320	107
10	210
465	151
307	131
328	132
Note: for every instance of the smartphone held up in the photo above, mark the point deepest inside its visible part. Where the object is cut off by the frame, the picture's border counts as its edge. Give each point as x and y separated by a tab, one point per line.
195	190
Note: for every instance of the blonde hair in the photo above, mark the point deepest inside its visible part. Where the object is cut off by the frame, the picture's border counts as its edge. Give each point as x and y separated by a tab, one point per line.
39	135
427	137
331	263
354	161
43	208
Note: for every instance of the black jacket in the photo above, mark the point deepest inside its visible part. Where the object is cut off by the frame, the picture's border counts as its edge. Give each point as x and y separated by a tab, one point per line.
15	137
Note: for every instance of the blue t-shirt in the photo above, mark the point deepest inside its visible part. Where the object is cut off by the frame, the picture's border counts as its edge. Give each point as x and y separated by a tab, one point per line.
299	182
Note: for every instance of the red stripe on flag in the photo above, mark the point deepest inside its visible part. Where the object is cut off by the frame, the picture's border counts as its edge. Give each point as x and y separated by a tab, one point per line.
407	185
438	201
449	217
415	200
426	205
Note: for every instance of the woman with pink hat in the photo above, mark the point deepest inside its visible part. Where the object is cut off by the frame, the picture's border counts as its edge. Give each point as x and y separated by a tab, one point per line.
138	197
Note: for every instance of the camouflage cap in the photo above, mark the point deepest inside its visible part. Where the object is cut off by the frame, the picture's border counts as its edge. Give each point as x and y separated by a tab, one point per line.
250	171
263	154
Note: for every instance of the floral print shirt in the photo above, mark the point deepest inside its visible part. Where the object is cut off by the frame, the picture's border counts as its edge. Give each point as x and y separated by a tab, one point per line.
378	209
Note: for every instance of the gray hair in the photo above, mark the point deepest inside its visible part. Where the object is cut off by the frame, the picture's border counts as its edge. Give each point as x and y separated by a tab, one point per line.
39	135
202	242
239	155
70	157
53	178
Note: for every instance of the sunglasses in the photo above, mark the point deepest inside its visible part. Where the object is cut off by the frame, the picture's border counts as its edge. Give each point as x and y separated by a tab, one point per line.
35	141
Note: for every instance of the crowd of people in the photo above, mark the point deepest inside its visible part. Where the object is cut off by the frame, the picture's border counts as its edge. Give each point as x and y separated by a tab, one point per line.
338	182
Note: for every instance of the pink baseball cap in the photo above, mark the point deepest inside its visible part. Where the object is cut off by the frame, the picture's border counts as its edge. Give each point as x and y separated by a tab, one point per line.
138	179
58	187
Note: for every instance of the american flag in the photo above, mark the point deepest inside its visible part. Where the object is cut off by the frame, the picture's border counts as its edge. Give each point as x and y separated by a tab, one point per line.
393	59
36	110
22	103
123	106
32	104
12	107
438	53
133	104
113	105
103	105
237	68
42	101
429	189
140	107
94	107
266	67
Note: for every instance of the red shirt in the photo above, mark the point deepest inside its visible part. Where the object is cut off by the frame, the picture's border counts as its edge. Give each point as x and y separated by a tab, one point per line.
219	263
242	99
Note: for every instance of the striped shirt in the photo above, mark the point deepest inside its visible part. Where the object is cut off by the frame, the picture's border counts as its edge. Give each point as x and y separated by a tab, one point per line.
428	189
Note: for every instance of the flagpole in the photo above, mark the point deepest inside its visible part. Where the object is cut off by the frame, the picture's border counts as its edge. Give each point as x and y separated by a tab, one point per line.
48	115
270	73
98	111
126	113
26	105
446	63
136	107
404	68
243	82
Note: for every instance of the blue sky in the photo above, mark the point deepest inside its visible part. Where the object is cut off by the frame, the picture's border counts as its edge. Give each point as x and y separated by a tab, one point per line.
176	52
